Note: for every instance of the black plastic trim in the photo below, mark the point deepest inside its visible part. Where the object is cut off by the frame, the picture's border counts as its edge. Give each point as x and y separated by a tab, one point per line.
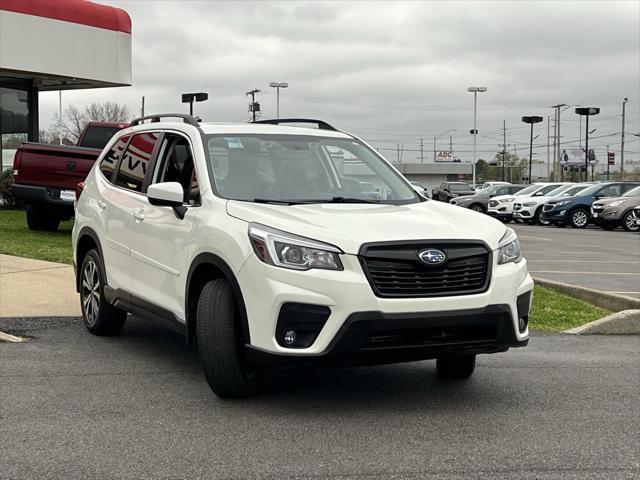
348	345
84	232
322	125
188	119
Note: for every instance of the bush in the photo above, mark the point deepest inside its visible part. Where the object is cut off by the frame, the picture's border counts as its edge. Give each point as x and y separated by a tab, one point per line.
7	200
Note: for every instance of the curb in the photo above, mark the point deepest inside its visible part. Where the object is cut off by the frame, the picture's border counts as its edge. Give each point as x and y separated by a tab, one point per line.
610	301
626	322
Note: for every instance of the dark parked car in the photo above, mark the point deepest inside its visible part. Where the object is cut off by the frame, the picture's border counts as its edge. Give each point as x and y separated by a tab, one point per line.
480	200
576	210
449	190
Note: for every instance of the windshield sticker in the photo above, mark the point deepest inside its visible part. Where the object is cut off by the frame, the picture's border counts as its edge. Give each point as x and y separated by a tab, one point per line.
234	143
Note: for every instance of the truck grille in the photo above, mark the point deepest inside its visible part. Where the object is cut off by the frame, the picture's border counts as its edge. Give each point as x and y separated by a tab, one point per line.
394	270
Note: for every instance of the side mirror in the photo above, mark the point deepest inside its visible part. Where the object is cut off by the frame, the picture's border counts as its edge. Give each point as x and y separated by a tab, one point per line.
168	194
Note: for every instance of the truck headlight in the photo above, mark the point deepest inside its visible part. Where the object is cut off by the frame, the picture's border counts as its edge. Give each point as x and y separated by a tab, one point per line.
287	250
509	248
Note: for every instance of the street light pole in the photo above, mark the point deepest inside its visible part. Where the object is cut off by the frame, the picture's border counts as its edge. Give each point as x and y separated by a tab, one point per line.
531	120
475	91
624	102
587	111
278	86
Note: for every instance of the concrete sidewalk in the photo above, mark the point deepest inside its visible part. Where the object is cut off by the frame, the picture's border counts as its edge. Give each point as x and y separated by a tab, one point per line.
34	288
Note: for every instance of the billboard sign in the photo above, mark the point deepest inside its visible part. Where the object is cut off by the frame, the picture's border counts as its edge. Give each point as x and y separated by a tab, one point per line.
575	156
444	156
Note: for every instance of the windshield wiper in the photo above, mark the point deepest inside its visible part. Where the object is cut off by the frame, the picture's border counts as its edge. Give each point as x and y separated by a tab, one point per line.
340	200
275	202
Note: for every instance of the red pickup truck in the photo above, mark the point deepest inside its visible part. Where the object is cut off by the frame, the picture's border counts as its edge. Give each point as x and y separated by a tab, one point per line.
45	176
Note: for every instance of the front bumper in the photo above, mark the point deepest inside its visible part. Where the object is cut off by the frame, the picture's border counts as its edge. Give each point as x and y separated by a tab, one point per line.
356	314
559	214
524	213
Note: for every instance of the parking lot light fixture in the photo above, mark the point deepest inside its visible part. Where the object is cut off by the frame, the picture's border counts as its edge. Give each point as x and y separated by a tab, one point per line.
587	112
191	97
474	132
531	120
278	86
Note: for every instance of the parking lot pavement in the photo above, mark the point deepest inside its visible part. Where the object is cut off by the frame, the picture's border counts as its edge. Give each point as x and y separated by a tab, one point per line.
593	258
137	406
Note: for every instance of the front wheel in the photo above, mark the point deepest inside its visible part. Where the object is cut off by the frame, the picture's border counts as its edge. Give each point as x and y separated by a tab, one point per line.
476	207
456	368
628	222
100	317
220	345
579	218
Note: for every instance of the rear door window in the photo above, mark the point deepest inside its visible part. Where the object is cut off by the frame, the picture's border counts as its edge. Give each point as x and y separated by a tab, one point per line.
175	164
110	160
135	161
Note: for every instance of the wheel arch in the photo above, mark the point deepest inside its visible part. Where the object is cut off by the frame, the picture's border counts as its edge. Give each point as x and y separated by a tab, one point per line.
87	240
203	268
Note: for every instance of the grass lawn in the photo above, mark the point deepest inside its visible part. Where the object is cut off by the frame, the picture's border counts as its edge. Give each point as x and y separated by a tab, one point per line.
16	239
551	311
555	312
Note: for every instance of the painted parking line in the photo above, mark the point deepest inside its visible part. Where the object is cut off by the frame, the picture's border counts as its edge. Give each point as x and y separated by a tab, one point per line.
536	238
7	337
585	273
577	261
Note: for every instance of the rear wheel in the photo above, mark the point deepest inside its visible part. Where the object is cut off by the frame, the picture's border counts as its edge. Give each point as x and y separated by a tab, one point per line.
220	345
456	368
41	217
100	317
579	218
628	222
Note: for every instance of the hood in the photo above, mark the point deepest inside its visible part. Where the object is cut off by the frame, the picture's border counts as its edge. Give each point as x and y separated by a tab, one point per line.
627	201
348	226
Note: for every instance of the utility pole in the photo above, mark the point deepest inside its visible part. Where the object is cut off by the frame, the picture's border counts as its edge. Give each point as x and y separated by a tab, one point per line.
624	102
398	152
142	107
451	147
421	151
504	150
555	126
60	117
557	107
548	147
253	106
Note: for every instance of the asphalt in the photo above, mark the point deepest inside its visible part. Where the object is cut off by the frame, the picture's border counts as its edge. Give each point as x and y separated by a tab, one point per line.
73	405
594	258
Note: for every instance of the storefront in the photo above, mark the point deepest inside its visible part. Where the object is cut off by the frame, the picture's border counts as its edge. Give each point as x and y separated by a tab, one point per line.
55	45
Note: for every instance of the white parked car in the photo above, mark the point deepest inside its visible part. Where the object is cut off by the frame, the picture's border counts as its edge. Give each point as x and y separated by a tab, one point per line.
258	242
501	207
528	209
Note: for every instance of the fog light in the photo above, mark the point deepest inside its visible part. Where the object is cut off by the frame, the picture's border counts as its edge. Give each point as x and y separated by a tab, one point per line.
522	324
289	337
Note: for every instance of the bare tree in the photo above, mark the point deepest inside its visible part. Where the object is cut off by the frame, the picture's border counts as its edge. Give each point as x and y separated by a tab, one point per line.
75	120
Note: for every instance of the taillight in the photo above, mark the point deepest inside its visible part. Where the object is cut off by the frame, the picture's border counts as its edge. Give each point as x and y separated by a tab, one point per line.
79	189
17	162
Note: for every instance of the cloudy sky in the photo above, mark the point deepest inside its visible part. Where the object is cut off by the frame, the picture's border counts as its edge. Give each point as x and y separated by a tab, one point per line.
392	72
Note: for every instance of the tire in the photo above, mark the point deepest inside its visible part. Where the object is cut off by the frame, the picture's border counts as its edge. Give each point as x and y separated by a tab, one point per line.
39	217
456	368
536	217
542	221
220	345
628	223
505	219
579	218
560	224
477	207
100	317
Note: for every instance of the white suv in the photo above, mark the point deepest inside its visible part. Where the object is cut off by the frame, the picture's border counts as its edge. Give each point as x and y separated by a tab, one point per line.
260	243
501	207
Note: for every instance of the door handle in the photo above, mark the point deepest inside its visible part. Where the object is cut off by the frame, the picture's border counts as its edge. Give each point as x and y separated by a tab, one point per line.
139	215
101	205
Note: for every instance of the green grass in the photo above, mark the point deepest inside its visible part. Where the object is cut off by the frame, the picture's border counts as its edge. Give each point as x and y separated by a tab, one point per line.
16	239
551	311
554	312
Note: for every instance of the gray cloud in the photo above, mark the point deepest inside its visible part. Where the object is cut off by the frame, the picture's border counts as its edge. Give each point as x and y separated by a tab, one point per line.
390	71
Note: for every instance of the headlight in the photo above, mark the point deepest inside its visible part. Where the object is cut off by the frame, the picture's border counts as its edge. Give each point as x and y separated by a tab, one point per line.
506	200
530	204
286	250
617	203
559	204
509	249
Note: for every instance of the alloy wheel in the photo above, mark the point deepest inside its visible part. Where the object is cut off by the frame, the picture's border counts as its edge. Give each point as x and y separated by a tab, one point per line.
580	218
91	292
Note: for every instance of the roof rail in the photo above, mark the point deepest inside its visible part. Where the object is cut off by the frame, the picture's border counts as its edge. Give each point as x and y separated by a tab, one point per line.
156	118
277	121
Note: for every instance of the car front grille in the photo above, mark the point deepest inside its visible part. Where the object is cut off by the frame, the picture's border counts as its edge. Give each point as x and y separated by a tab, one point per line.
517	206
394	270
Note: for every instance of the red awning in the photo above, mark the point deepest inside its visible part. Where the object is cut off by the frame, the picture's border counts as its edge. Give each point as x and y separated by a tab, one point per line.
82	12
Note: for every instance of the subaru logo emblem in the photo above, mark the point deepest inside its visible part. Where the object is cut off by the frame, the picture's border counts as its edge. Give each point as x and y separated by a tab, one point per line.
432	256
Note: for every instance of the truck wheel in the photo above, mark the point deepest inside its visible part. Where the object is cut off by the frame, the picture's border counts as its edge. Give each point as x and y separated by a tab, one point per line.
455	368
579	218
220	345
100	317
39	217
628	222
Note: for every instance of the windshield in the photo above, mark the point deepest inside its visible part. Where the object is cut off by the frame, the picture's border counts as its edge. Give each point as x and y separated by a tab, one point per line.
591	190
573	190
529	189
634	192
557	191
302	169
460	187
